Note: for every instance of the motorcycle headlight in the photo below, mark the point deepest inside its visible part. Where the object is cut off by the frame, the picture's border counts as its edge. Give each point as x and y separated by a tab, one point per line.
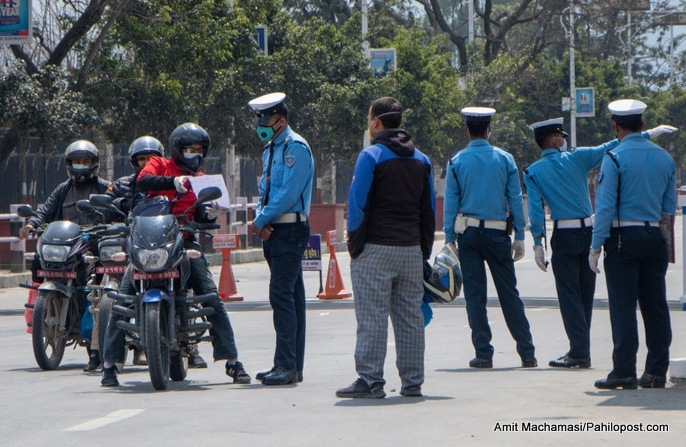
107	251
153	259
55	253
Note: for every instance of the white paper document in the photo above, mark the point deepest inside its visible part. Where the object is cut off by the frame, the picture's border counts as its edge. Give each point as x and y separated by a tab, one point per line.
205	181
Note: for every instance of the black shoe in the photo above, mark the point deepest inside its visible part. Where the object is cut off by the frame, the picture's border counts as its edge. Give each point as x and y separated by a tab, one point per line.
93	361
139	357
476	362
280	376
570	362
651	381
260	375
411	391
109	376
531	362
360	390
237	373
197	362
627	383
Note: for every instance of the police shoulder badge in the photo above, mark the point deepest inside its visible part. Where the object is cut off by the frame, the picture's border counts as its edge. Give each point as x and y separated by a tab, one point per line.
289	160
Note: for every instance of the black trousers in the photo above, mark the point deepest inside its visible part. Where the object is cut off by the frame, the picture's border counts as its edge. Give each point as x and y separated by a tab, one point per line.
575	284
636	274
478	245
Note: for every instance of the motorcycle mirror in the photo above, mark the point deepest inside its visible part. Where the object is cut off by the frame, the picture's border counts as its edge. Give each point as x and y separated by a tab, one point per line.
208	195
84	206
104	201
100	200
25	211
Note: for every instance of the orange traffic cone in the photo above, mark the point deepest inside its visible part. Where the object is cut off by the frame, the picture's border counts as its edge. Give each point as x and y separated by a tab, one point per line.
334	282
28	307
227	282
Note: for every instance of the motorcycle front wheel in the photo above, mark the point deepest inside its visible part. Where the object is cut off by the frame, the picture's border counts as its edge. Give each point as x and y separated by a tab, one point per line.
157	342
48	342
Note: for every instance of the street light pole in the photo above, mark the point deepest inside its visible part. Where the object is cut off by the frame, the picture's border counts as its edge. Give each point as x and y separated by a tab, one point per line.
365	29
631	54
572	77
470	12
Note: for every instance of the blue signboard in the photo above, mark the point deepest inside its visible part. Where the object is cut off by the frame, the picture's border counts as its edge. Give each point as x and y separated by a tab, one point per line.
382	61
15	21
261	36
585	102
312	259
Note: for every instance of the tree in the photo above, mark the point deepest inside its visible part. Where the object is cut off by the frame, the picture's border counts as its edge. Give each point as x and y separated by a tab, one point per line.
63	29
41	104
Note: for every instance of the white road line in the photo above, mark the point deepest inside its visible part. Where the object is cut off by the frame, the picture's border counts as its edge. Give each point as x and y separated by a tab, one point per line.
111	418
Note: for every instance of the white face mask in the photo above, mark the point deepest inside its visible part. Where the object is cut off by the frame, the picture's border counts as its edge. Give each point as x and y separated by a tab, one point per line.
79	167
191	155
564	146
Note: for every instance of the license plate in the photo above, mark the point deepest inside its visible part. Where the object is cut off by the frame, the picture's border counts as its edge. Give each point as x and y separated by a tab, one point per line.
111	270
53	274
162	275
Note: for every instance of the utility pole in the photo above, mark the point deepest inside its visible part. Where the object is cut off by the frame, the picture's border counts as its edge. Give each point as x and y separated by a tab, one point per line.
470	13
365	29
572	77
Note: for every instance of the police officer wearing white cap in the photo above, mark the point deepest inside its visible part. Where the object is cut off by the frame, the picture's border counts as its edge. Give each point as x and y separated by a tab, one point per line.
482	182
636	197
560	178
285	196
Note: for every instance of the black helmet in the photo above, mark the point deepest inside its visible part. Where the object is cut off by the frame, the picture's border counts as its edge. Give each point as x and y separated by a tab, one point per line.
82	149
443	281
143	146
186	135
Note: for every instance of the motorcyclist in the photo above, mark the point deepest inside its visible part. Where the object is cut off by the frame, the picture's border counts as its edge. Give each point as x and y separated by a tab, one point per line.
82	160
126	194
189	145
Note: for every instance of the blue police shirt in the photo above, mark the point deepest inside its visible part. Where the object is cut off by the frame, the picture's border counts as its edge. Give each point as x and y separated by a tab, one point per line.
561	179
290	189
648	186
481	182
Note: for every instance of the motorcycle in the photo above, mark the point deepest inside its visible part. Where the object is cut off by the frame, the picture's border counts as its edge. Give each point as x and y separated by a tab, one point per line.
61	303
164	314
110	241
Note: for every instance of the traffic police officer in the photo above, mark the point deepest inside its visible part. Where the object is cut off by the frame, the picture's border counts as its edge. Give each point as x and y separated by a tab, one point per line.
560	178
482	182
635	201
285	196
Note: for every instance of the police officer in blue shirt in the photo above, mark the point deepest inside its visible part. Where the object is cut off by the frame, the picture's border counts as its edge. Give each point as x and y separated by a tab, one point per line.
560	178
482	182
634	204
285	196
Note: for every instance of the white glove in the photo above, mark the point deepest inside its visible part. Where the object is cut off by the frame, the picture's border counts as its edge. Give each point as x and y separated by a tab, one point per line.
659	130
593	257
517	250
539	256
213	211
178	183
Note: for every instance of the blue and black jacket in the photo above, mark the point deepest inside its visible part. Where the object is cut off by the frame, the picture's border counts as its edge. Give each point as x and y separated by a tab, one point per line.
391	199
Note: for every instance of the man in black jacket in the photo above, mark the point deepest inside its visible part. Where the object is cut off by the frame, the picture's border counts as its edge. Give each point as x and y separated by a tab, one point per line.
82	160
391	224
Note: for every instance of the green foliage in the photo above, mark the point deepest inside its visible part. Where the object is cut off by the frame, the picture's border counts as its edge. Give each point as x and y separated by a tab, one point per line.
42	104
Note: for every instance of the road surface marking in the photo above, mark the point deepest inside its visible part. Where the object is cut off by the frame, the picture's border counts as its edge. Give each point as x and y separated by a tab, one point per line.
111	418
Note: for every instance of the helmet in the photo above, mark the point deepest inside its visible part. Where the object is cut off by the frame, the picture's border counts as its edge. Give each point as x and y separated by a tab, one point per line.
186	135
443	280
143	146
82	149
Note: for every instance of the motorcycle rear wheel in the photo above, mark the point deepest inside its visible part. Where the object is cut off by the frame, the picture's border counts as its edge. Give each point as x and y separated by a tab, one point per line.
48	344
157	342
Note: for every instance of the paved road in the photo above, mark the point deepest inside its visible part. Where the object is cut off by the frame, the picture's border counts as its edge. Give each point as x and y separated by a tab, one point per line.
462	406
